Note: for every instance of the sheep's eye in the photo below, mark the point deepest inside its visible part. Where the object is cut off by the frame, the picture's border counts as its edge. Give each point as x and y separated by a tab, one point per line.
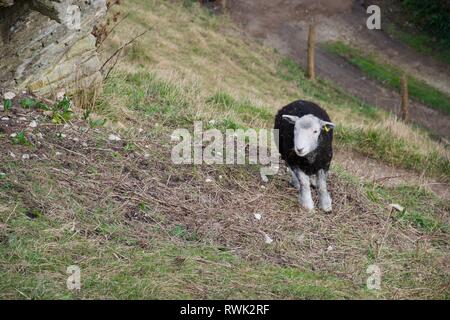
315	131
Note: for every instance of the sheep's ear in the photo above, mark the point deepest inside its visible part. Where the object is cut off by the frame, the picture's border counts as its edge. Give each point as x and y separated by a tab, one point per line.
328	125
291	119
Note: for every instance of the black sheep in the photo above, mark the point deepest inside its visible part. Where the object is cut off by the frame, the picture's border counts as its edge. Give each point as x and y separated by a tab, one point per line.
305	143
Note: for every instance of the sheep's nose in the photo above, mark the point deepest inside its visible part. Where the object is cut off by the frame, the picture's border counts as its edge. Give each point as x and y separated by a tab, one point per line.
299	150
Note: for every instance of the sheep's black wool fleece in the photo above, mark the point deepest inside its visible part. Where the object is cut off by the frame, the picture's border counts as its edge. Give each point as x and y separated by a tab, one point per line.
319	158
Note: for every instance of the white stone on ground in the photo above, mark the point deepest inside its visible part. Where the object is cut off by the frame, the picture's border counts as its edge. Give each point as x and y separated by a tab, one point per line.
267	239
113	137
397	207
9	95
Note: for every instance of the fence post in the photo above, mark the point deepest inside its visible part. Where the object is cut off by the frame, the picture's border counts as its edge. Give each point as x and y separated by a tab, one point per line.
311	53
405	100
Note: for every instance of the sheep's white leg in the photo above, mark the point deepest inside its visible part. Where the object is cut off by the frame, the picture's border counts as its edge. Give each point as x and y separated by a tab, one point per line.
313	179
324	196
305	198
294	180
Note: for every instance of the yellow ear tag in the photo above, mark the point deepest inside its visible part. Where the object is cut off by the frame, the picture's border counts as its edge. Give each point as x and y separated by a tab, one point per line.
326	129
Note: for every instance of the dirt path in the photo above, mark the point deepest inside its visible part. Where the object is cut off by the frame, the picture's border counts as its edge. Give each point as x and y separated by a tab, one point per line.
283	24
374	171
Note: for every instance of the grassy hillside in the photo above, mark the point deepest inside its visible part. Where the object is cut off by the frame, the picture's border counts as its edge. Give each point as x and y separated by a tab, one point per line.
139	226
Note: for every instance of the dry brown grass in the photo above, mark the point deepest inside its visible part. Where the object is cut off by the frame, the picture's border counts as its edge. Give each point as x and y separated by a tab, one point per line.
123	196
93	173
191	47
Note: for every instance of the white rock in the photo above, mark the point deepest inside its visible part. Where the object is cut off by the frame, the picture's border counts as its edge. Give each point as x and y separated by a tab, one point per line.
40	135
330	248
58	153
267	239
62	135
60	95
397	207
5	119
212	122
13	135
208	180
2	107
263	187
220	177
33	124
141	130
22	119
25	156
9	95
12	155
258	216
146	155
75	139
84	144
113	137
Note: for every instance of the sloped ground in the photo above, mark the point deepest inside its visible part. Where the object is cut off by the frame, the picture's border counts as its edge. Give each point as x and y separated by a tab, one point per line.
284	25
375	171
78	186
139	226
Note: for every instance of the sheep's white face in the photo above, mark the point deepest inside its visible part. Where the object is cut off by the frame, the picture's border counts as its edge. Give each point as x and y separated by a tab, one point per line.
306	132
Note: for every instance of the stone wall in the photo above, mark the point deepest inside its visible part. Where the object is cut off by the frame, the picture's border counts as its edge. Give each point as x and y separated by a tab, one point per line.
46	45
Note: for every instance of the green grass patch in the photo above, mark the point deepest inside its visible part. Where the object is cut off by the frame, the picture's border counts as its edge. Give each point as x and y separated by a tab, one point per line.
21	138
421	207
390	76
244	109
325	91
422	43
154	98
385	146
35	254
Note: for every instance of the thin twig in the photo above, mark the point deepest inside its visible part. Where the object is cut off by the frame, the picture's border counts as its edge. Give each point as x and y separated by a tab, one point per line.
122	47
112	29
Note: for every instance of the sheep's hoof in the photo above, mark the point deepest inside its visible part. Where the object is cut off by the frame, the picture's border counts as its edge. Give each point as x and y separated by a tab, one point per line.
328	209
309	210
308	206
